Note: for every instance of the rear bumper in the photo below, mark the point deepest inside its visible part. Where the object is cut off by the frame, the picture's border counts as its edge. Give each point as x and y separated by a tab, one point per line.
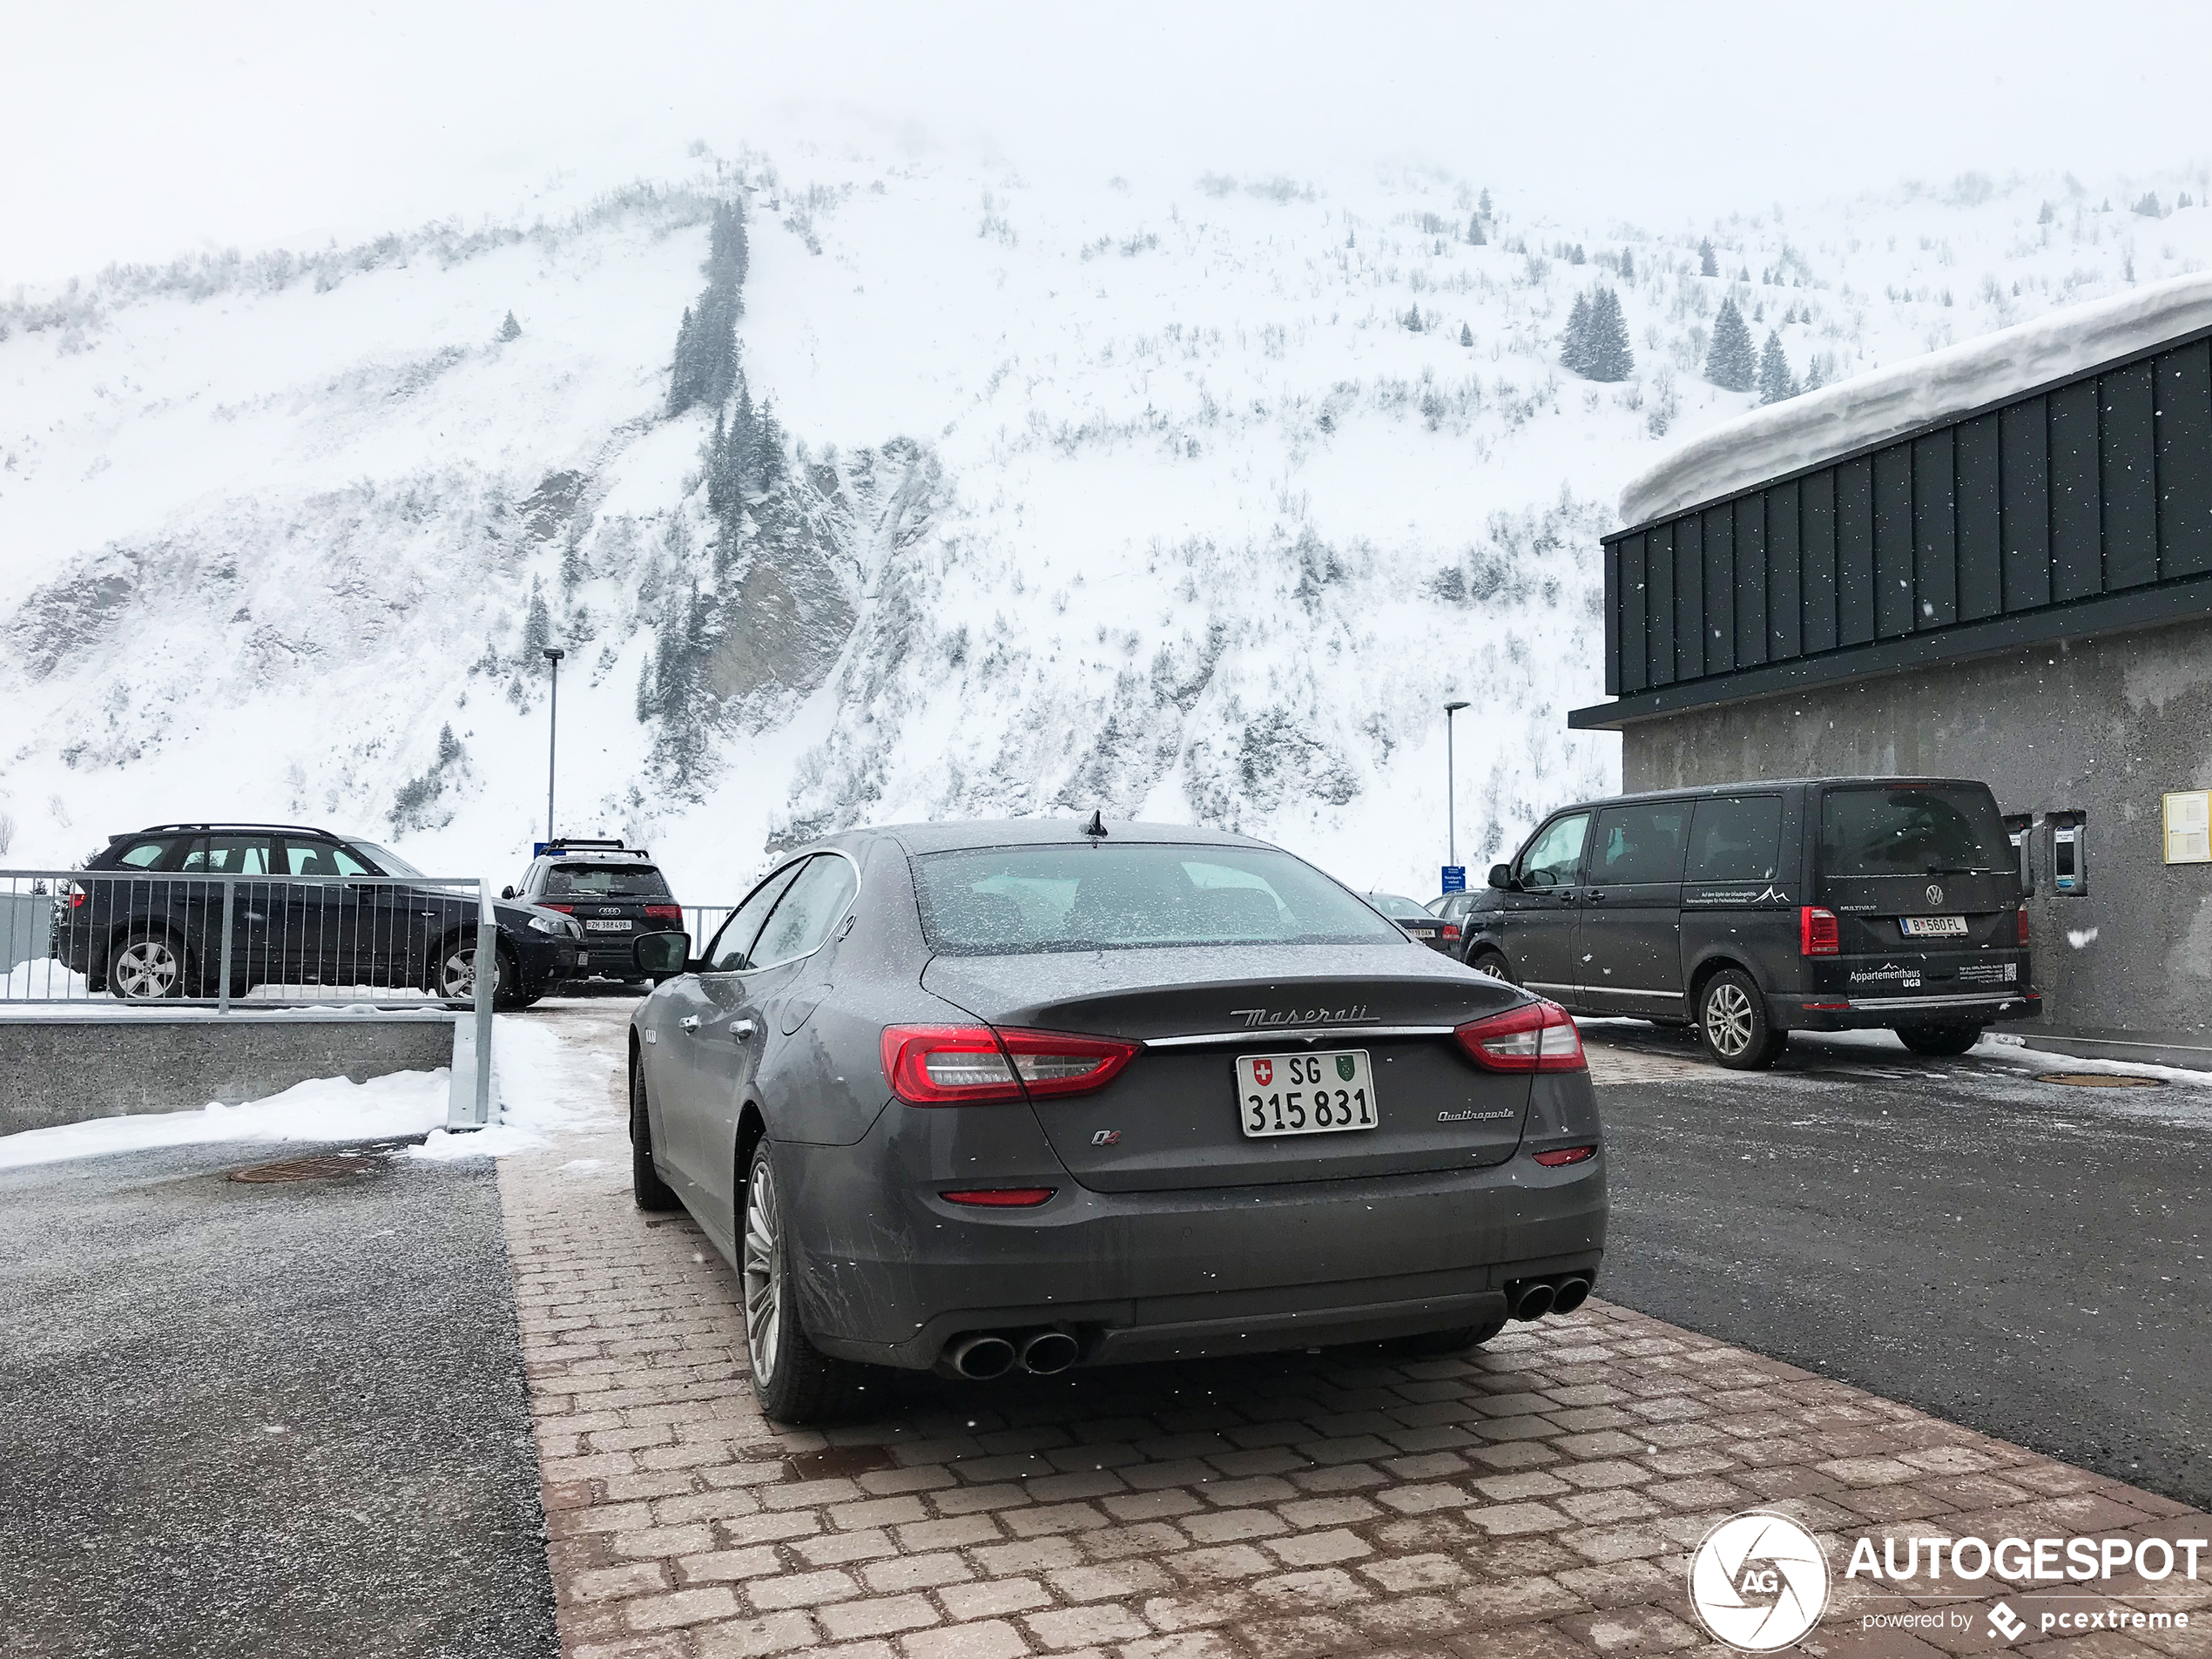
1821	1012
1179	1274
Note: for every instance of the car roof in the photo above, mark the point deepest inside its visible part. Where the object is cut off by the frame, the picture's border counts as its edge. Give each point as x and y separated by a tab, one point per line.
1037	832
226	828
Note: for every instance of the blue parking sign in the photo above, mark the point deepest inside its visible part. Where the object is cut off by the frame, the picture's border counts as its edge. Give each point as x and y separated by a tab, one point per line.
1455	878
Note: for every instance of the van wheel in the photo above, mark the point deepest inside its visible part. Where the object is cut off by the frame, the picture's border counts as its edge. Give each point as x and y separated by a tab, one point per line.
1493	963
1732	1024
1935	1040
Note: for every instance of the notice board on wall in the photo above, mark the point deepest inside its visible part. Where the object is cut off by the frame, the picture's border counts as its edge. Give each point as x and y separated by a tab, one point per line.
2189	827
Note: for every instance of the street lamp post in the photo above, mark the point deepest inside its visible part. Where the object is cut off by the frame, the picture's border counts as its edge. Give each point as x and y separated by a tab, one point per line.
1451	792
553	655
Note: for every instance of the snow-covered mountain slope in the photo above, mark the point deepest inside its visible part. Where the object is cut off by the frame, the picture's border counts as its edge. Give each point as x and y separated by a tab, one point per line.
1150	496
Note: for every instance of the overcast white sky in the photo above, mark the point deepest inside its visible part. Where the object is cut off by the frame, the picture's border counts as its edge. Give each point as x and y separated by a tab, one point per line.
141	131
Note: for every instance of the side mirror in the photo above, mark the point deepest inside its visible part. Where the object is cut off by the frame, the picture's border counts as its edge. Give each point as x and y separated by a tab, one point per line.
1502	877
660	956
507	893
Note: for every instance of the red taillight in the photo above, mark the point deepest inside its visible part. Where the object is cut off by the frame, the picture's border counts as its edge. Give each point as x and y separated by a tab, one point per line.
1536	1037
1000	1198
78	896
949	1065
2022	914
1565	1155
1816	935
664	913
1451	930
565	909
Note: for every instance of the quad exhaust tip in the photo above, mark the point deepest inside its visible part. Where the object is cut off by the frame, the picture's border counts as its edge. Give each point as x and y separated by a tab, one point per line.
988	1353
981	1357
1532	1299
1048	1353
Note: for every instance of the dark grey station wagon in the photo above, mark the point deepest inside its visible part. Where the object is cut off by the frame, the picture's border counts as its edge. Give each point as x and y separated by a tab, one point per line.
990	1096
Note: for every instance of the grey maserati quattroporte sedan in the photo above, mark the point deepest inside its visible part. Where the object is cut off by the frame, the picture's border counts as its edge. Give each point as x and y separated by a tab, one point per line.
993	1096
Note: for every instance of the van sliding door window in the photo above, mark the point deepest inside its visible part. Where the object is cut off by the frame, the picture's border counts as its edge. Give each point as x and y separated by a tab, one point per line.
1734	838
1635	844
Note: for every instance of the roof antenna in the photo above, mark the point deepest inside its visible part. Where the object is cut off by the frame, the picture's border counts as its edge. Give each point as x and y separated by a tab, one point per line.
1097	825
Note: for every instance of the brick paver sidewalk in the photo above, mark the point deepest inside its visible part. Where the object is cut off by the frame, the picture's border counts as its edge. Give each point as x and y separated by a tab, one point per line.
1536	1497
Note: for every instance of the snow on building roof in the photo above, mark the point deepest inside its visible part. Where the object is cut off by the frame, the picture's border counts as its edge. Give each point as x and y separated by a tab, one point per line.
1835	420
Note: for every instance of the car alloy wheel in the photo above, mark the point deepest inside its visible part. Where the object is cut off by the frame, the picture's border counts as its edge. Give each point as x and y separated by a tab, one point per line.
1729	1020
143	969
457	971
761	1265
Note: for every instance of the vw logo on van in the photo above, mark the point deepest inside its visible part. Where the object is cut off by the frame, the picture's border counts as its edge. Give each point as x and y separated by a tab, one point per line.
1935	893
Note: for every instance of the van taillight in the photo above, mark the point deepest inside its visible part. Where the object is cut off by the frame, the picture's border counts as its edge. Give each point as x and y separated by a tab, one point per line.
2022	914
1817	933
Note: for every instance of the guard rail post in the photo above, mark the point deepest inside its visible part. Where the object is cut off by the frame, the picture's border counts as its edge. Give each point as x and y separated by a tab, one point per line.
223	991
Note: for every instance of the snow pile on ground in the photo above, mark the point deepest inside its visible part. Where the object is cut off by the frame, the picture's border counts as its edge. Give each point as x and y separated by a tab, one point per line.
529	1077
46	976
1870	407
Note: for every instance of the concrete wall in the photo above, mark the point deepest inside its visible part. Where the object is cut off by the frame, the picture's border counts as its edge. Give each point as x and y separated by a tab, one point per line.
2105	725
68	1071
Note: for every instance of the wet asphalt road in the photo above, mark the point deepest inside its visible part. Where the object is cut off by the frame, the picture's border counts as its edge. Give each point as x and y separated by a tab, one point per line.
2020	1257
246	1419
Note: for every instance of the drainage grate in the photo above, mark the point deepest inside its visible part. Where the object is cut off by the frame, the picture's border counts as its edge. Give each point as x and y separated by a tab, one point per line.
2099	1080
320	1169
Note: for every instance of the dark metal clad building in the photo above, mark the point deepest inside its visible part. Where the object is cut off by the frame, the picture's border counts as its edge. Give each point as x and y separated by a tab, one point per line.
2020	591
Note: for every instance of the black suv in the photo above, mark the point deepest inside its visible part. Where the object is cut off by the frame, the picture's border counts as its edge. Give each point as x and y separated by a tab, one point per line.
1752	910
614	892
145	919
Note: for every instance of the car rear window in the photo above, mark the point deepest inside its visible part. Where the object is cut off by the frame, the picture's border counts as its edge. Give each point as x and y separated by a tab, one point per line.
1023	899
1391	905
1913	830
564	880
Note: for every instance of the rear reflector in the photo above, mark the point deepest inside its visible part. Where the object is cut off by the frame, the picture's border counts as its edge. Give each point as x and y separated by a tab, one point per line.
1000	1198
952	1065
1565	1155
1827	1007
2022	928
1536	1037
1817	932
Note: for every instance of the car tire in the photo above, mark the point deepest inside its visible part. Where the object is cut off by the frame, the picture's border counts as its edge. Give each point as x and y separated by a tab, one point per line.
1732	1024
651	1192
452	968
1494	963
1442	1344
146	965
1936	1041
794	1382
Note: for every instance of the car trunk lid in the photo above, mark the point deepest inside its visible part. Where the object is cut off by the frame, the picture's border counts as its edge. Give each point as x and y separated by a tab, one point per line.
1172	1119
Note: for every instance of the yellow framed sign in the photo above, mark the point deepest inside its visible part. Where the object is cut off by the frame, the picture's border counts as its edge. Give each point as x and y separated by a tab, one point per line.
2189	827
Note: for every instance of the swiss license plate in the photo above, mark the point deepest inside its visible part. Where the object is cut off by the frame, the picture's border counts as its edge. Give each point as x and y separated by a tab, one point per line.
1933	926
607	927
1304	1093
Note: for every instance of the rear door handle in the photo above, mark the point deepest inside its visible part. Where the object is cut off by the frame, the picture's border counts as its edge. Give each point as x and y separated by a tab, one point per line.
690	1022
742	1029
1595	895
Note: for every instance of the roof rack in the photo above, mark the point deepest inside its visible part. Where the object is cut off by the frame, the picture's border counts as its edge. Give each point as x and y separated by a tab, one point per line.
561	844
163	829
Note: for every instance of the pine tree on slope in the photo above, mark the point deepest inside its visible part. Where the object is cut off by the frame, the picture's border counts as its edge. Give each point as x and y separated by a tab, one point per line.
1628	265
1475	230
1466	335
511	329
1606	354
1574	344
1775	382
1731	362
1707	265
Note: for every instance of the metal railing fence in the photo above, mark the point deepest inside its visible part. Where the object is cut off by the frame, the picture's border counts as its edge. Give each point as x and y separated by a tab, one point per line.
241	944
701	920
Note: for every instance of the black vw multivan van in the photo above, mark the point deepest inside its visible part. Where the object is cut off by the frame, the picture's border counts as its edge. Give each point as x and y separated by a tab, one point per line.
1749	911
